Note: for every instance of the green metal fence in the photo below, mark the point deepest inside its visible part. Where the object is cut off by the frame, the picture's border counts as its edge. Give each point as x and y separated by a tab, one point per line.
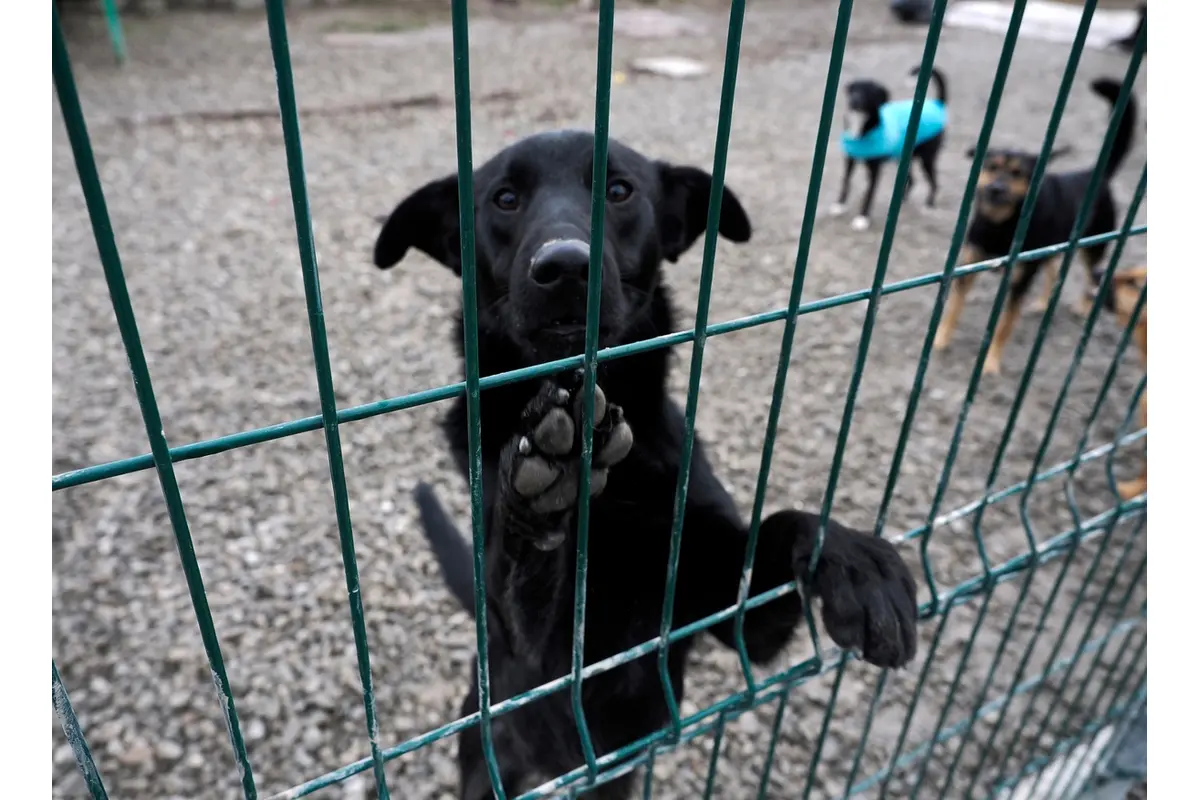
1088	681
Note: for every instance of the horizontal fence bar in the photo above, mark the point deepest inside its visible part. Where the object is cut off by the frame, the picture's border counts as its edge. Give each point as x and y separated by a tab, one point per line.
209	447
1050	550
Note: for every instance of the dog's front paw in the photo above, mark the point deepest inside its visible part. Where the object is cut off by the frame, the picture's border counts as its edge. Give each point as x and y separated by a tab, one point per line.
868	596
837	209
860	223
540	465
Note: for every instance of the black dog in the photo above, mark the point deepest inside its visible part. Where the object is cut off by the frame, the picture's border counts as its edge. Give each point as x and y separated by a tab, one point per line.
1000	194
532	208
874	135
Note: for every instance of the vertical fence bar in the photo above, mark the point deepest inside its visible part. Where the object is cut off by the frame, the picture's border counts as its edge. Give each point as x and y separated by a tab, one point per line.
1060	641
915	701
1099	659
1001	298
1100	603
466	223
868	327
277	28
832	79
1010	425
968	648
714	756
960	232
1063	734
881	265
764	781
1060	401
114	276
733	43
1112	671
1049	605
116	34
648	775
75	737
604	41
1081	220
862	741
1105	386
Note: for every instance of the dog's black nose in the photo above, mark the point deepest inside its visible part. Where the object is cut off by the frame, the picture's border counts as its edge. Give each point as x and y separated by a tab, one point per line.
560	259
995	194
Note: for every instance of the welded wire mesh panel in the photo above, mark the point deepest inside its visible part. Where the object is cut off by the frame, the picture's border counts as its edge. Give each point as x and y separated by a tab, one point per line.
1033	617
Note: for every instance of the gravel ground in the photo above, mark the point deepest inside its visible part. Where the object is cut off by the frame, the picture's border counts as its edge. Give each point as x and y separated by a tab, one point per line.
200	203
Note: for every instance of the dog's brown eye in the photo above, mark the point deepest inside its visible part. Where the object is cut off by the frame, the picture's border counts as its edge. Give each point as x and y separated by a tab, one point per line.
506	200
619	191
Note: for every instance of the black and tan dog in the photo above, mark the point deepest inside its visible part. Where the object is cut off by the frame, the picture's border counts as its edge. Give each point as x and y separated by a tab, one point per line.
533	242
999	196
1121	299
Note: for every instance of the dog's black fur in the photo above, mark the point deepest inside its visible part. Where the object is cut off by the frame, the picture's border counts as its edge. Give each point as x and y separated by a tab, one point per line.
1000	194
532	209
1127	42
1004	182
865	97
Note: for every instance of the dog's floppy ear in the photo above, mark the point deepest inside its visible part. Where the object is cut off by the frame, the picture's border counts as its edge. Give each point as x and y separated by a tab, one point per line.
428	220
683	214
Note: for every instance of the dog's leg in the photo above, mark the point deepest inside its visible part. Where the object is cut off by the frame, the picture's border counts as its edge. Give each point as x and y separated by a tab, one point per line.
839	207
867	592
1050	273
959	288
863	220
926	159
539	467
474	781
1131	489
1008	321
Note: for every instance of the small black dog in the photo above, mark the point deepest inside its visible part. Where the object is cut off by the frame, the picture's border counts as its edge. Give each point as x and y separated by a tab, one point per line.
874	135
1000	194
532	207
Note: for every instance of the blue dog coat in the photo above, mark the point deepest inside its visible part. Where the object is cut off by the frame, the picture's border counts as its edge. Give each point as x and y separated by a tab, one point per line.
886	140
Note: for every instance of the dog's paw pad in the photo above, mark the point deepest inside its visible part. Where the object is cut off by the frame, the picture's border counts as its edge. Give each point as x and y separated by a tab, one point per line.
618	444
534	475
598	410
860	223
557	496
555	434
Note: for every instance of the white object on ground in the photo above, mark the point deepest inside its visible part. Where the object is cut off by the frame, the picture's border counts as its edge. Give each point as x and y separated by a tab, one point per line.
669	66
1048	21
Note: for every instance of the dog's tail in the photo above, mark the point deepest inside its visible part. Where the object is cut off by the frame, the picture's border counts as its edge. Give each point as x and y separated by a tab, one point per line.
939	83
451	549
1110	90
